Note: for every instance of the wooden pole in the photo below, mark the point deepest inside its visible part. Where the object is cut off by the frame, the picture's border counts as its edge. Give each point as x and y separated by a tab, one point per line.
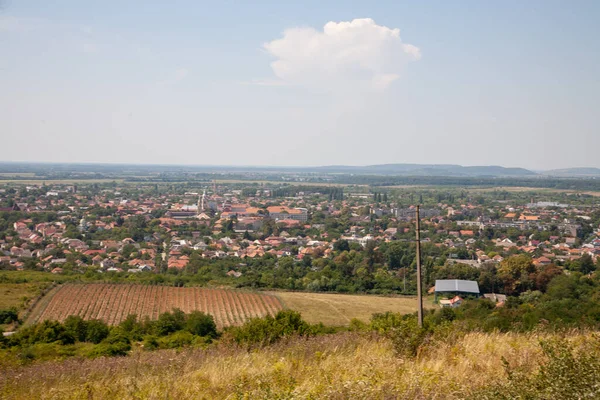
419	285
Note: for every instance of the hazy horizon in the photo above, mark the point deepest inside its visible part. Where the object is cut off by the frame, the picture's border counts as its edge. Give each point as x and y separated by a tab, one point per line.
311	84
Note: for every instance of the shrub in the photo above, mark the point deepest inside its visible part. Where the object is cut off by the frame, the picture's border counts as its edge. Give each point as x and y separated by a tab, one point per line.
176	340
109	350
9	316
97	331
150	342
117	335
356	325
384	322
170	322
77	327
135	329
565	374
44	332
268	330
407	337
201	324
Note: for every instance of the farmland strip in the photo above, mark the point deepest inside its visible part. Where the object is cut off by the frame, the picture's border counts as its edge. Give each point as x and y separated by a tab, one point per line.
240	306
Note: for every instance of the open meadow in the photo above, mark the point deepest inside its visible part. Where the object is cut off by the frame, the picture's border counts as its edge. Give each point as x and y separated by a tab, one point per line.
17	294
340	309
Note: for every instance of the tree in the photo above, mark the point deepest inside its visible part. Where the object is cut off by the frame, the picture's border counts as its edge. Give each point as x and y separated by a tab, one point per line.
514	272
372	256
341	245
395	253
586	264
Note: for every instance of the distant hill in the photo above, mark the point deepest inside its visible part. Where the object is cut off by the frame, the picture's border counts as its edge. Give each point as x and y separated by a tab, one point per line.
574	172
428	170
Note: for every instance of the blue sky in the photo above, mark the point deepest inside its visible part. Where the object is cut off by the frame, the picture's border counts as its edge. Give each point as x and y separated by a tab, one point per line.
508	83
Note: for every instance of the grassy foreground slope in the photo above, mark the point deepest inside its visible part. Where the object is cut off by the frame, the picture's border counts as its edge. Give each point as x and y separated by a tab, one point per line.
341	366
339	309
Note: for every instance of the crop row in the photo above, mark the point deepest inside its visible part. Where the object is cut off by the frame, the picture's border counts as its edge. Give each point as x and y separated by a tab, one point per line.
113	303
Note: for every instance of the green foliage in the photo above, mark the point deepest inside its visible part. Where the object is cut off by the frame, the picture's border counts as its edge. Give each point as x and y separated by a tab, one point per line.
201	324
403	330
170	322
77	327
267	330
407	337
134	328
176	340
9	316
106	349
93	331
567	374
97	331
150	342
44	332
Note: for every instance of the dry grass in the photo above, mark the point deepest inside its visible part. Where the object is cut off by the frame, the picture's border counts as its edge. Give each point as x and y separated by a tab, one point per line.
521	189
341	366
339	309
14	294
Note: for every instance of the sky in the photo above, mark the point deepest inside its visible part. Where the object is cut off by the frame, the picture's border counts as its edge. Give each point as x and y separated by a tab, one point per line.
511	83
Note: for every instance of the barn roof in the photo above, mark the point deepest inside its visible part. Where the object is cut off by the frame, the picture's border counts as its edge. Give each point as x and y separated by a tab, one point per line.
456	285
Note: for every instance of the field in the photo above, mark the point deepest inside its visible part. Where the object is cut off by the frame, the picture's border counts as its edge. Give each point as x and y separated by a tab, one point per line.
15	294
55	181
112	303
339	309
340	366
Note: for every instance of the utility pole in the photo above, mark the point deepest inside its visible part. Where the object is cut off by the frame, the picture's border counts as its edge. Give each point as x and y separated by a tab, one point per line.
419	288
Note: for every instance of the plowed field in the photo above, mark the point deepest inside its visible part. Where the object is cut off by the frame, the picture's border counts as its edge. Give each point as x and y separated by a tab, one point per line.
113	303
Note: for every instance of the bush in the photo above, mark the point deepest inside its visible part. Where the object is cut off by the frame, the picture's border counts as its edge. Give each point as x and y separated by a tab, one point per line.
407	337
97	331
9	316
77	327
136	329
356	325
383	323
117	335
109	350
566	374
201	324
93	331
268	330
150	342
170	322
44	332
176	340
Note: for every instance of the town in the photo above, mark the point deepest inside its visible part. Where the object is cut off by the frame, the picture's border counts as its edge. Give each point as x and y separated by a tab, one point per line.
346	239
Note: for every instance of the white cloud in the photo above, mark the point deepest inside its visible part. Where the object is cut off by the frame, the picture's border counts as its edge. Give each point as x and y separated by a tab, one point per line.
358	54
